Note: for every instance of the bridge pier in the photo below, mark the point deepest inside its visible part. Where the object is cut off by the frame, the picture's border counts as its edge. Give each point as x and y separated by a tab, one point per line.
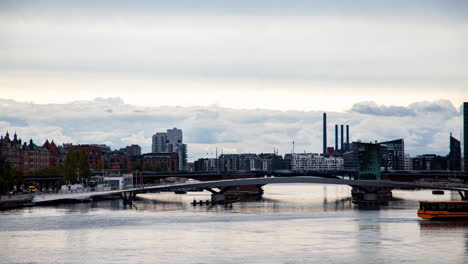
372	195
127	197
218	197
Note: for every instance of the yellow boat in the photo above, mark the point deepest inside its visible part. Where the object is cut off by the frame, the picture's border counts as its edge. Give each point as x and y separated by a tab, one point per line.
443	210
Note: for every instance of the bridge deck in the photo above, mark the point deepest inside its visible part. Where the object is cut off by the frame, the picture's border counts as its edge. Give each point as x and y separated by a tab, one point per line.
239	182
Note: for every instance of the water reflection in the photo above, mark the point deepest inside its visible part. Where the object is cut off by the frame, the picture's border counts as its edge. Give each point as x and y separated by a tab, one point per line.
289	224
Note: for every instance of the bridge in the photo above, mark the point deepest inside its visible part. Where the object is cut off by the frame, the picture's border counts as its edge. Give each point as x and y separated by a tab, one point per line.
223	185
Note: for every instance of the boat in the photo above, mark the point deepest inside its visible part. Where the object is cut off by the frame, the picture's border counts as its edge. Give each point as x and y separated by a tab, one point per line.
443	210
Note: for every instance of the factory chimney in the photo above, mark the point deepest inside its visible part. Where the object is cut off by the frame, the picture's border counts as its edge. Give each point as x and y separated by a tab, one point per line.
347	137
342	143
324	133
336	138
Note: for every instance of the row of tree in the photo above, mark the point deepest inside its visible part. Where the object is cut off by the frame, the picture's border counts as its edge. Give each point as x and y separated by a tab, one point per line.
9	177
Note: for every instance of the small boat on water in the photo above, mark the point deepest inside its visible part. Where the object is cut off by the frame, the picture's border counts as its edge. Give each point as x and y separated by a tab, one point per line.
443	210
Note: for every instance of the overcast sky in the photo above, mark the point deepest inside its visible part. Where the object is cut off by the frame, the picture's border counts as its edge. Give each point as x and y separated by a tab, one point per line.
217	68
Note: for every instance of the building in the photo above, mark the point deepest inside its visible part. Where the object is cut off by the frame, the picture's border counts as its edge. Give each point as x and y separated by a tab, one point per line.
465	136
315	162
133	150
206	165
171	142
168	162
408	163
121	162
454	156
365	158
159	144
94	153
393	154
34	157
11	150
229	162
56	157
429	162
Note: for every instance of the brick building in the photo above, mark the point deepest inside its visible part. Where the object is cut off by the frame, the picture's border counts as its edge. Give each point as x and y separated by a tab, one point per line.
167	161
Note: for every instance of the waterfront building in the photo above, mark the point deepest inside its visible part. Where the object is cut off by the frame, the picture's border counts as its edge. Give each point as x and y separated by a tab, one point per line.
94	153
56	157
159	143
171	142
315	162
454	156
168	162
365	158
408	163
206	165
229	162
133	150
11	150
121	162
393	154
429	162
34	157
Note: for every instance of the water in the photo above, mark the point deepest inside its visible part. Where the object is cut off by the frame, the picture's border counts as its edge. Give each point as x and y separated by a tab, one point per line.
293	223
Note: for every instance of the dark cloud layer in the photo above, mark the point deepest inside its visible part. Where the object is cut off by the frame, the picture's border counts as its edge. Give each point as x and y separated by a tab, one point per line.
371	108
425	126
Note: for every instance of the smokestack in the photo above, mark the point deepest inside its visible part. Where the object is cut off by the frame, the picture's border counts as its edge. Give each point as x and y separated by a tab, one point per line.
324	133
342	143
347	137
336	137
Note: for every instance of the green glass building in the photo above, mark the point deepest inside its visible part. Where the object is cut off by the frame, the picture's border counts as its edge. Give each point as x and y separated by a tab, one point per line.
465	135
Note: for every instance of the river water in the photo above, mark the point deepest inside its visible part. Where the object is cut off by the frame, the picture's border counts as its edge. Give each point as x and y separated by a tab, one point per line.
292	223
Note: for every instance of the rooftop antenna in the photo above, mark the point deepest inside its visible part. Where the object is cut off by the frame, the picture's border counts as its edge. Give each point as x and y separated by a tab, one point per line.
293	148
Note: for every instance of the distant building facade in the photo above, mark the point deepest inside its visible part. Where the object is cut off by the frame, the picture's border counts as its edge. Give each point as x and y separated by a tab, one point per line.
171	142
133	150
162	161
315	162
393	154
11	150
34	157
429	162
56	156
365	158
94	152
159	143
454	156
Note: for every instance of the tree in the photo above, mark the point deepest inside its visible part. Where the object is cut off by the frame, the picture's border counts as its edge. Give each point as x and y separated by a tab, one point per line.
76	165
9	176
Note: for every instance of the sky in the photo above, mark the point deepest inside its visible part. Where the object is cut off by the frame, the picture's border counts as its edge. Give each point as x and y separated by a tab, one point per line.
242	76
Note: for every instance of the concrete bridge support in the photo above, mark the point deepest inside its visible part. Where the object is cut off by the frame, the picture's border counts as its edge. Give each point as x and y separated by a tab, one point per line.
372	195
127	197
218	196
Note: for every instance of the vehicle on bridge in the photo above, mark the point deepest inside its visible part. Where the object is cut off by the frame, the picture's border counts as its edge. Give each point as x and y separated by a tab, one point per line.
443	210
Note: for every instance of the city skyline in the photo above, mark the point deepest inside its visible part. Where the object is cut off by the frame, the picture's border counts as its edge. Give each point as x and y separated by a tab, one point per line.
425	126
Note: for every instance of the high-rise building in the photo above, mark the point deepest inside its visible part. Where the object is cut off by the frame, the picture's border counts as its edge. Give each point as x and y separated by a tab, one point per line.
159	144
465	136
393	154
454	156
171	142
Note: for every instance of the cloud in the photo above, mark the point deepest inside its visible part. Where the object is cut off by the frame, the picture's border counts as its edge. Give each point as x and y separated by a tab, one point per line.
425	126
437	107
371	108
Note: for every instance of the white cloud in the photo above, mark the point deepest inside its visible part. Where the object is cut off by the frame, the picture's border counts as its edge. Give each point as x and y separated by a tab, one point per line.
426	130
